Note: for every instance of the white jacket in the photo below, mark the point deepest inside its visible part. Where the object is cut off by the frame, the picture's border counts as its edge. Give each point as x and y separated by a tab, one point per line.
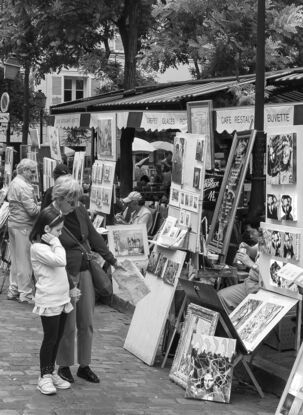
48	262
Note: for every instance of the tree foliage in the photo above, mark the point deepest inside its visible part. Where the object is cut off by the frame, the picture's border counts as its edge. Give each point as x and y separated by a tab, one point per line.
219	38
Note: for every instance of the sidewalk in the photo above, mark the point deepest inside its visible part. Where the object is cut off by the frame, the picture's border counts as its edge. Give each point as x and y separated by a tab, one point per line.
128	386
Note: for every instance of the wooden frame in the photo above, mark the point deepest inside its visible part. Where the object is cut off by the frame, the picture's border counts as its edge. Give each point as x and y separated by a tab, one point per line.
230	192
291	401
197	318
128	241
199	120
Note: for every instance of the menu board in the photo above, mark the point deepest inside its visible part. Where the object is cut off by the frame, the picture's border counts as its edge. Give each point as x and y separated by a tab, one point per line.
230	192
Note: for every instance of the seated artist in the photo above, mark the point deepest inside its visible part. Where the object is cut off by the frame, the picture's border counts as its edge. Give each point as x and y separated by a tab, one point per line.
232	296
135	211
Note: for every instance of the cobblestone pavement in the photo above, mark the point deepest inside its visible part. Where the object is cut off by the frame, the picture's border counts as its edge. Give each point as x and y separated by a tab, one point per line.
128	386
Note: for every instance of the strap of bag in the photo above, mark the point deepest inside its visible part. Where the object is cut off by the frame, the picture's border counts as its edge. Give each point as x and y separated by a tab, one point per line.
76	240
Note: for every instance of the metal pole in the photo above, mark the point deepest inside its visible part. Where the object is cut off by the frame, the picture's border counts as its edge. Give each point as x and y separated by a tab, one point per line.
260	67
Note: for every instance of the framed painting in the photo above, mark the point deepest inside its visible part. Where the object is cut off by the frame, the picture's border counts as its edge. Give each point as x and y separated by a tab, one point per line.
198	320
106	139
128	241
291	402
199	120
211	368
282	158
230	192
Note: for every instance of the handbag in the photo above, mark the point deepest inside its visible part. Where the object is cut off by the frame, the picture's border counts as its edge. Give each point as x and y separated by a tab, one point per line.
101	280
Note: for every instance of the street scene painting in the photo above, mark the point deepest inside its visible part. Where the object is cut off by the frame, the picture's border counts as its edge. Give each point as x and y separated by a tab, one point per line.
198	320
128	241
211	369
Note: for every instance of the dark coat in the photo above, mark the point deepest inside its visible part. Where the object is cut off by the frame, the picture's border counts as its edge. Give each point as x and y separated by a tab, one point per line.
90	237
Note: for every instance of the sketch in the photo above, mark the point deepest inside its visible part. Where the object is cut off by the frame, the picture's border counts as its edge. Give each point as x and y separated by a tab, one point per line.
272	206
265	241
128	241
178	159
211	368
291	402
106	141
291	245
276	243
196	178
199	150
244	312
171	272
198	320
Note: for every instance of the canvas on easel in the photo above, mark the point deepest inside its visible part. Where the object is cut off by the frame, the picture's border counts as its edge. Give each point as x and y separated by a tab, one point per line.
148	321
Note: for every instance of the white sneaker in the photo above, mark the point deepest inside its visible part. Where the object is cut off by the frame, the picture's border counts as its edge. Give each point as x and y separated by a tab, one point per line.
59	382
46	385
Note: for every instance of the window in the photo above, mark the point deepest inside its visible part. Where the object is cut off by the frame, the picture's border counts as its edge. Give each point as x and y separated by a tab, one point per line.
73	89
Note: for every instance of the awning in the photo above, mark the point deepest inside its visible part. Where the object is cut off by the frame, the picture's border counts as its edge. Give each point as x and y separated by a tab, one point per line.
142	146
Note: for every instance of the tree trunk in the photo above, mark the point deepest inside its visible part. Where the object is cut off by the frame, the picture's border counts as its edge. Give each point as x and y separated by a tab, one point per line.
25	105
126	161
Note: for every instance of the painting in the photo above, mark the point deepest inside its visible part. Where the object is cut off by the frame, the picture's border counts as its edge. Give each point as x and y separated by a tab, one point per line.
288	207
267	309
174	197
230	192
153	261
98	220
276	243
291	402
291	245
54	143
170	272
196	178
198	320
106	139
211	368
78	166
272	206
178	159
199	150
128	241
281	158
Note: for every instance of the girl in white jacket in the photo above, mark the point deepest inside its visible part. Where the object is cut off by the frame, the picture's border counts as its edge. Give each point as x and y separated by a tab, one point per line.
53	292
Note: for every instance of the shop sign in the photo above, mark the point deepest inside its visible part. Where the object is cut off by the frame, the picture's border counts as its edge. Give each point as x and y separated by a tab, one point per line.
67	121
240	119
164	121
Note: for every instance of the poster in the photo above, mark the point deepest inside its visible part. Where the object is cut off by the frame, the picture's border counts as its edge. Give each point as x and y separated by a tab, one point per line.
106	139
282	158
230	192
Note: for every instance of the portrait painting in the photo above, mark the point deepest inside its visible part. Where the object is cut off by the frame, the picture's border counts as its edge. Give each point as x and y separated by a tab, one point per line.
291	245
265	241
211	368
281	158
128	241
291	402
198	320
276	243
171	272
199	150
196	178
106	139
272	206
288	207
178	160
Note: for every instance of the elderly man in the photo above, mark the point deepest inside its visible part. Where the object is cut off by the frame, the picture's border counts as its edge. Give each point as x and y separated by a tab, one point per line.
23	209
135	211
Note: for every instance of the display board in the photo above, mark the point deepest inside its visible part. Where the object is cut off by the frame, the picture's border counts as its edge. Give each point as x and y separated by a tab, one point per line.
186	192
199	119
148	321
230	192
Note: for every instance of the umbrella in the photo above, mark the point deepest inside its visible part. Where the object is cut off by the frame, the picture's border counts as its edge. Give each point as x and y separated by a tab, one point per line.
163	145
142	146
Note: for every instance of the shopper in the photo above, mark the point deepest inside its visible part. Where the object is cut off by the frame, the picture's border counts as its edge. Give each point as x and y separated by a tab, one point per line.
52	296
60	170
23	209
66	194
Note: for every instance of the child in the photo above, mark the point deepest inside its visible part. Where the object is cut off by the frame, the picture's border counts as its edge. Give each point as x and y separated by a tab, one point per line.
52	297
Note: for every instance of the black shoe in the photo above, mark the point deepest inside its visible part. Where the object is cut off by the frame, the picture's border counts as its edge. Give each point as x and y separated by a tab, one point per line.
65	373
87	374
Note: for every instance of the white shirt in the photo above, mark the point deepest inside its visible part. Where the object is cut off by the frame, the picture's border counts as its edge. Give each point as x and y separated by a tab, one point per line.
48	262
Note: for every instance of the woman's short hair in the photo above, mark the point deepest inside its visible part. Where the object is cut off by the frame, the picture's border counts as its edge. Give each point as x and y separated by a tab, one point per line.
66	187
26	164
48	216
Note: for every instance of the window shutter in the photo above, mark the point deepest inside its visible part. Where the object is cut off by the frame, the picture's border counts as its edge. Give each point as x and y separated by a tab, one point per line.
95	84
56	90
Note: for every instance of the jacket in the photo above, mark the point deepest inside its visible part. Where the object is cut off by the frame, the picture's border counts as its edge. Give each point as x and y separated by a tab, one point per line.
23	207
90	239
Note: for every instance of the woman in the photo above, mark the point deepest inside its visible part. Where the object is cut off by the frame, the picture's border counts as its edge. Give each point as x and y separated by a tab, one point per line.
23	209
66	194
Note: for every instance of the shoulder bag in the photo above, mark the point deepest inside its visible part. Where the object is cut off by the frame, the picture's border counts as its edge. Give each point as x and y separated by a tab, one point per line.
101	280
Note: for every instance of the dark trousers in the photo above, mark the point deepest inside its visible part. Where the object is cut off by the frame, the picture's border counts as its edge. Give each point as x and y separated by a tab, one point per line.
53	327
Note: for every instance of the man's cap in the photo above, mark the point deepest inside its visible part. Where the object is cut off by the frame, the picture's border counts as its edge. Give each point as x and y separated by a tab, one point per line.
133	196
60	170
